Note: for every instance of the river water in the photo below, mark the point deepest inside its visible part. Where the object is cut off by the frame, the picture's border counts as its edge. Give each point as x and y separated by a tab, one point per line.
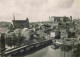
48	52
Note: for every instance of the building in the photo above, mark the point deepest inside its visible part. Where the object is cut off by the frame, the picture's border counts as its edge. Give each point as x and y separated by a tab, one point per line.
59	19
21	23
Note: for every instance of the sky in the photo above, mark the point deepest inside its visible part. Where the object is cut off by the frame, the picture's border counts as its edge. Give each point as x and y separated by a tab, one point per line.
38	10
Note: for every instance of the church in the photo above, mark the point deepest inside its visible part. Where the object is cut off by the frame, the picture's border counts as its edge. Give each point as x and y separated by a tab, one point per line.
20	23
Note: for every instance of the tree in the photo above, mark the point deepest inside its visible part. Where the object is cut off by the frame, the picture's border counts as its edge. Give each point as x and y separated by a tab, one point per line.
11	27
9	41
15	40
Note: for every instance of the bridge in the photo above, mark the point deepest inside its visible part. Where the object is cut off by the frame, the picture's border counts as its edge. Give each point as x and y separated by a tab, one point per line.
26	47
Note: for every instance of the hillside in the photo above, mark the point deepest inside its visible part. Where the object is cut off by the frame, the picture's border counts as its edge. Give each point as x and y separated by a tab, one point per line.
4	24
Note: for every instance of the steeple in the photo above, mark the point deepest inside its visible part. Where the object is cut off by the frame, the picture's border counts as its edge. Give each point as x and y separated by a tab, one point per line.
13	17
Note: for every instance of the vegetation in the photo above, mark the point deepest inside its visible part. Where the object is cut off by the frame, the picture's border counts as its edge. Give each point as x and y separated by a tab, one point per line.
4	24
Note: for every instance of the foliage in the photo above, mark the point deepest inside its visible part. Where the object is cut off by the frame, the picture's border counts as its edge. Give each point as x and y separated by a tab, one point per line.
4	24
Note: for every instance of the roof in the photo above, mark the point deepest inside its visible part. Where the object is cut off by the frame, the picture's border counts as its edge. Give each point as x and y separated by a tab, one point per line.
59	17
20	21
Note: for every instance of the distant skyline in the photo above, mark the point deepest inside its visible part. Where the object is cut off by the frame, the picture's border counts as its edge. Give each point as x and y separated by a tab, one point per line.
38	10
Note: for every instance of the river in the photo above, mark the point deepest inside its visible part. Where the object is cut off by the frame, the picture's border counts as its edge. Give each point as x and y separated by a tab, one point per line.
46	52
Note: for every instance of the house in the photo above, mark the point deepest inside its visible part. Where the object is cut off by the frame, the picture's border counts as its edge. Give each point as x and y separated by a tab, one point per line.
59	19
20	23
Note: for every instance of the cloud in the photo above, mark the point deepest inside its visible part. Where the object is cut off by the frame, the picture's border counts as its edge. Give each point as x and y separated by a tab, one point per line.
38	10
65	3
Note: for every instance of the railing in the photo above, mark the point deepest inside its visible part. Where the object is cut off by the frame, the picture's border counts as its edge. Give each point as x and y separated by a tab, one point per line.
25	46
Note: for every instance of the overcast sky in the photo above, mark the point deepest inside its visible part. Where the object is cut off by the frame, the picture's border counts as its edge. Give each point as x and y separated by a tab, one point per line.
38	10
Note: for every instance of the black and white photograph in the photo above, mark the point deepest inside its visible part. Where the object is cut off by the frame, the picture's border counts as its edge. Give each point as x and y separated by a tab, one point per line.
39	28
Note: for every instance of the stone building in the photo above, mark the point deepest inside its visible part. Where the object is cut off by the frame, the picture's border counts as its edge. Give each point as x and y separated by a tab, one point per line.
20	23
59	19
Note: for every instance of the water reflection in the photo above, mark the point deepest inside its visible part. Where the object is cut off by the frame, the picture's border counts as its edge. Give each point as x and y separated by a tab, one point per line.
35	52
48	51
63	50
